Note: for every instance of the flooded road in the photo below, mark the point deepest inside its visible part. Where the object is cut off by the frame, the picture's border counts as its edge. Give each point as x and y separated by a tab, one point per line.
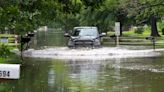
126	74
113	75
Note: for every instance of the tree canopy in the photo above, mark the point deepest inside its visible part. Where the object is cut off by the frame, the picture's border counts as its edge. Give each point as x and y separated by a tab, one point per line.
145	12
21	16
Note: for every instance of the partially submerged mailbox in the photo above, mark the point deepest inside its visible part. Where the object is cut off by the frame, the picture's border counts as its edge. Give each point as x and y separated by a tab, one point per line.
10	71
152	39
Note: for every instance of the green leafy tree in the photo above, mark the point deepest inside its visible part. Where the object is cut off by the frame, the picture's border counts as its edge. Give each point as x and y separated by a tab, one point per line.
104	15
22	16
145	12
67	11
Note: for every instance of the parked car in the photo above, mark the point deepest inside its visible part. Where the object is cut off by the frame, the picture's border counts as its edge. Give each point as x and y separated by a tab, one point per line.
84	36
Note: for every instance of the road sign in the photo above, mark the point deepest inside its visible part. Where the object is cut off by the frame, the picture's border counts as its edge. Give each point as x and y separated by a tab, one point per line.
10	71
117	28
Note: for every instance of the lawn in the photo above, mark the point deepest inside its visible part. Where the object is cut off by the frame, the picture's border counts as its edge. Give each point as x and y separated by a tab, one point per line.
137	37
12	58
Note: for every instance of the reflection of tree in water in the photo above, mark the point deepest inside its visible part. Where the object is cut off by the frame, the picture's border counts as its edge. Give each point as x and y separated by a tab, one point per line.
50	38
4	86
86	71
83	75
33	77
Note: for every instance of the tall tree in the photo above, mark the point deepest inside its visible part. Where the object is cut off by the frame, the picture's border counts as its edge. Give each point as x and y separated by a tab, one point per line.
26	15
105	15
67	13
145	12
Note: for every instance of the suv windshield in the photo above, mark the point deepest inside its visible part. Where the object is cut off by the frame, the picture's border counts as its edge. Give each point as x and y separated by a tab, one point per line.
85	32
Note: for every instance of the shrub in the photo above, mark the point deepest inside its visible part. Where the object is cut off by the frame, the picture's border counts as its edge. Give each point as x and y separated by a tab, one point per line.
4	51
139	30
162	31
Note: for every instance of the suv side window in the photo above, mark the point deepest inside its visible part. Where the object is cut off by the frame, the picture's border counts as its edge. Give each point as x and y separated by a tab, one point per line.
76	32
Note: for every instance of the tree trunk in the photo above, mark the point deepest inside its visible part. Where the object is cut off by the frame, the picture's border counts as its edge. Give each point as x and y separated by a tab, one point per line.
120	19
154	31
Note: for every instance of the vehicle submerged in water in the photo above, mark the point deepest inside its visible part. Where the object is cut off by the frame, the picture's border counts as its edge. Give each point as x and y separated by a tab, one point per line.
84	36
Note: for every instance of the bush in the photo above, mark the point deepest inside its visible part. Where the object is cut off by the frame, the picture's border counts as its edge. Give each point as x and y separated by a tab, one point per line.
162	31
4	51
139	30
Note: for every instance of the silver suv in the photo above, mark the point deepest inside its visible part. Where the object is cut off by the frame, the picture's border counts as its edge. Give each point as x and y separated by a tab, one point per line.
84	36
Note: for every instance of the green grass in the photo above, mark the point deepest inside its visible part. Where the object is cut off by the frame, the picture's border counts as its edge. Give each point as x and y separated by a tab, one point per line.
131	33
11	40
2	60
130	37
143	31
7	35
12	59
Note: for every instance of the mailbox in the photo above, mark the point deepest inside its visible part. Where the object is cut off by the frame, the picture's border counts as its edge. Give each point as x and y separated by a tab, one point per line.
25	39
150	38
31	34
10	71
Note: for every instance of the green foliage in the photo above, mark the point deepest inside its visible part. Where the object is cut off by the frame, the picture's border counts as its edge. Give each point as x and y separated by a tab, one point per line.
143	10
4	51
6	35
103	16
139	30
27	15
22	16
160	25
92	3
163	31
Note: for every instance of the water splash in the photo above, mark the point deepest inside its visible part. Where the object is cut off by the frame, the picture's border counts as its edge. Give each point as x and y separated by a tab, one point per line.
90	54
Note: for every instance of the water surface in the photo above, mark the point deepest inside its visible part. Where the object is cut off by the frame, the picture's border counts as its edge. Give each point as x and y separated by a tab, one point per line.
113	75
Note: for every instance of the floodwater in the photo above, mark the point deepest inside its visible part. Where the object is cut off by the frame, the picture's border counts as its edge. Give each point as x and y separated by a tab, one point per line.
126	74
113	75
103	53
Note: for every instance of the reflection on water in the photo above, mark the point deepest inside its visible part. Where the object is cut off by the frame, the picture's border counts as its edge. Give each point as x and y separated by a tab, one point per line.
113	75
49	38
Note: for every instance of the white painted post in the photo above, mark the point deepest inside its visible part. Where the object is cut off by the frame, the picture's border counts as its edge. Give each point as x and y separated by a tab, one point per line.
117	32
45	28
16	40
10	71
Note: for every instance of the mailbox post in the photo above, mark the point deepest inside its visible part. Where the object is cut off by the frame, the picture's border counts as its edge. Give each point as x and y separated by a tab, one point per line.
152	39
24	40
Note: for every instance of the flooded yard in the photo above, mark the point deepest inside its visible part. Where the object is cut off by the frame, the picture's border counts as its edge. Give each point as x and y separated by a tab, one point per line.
112	75
131	69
